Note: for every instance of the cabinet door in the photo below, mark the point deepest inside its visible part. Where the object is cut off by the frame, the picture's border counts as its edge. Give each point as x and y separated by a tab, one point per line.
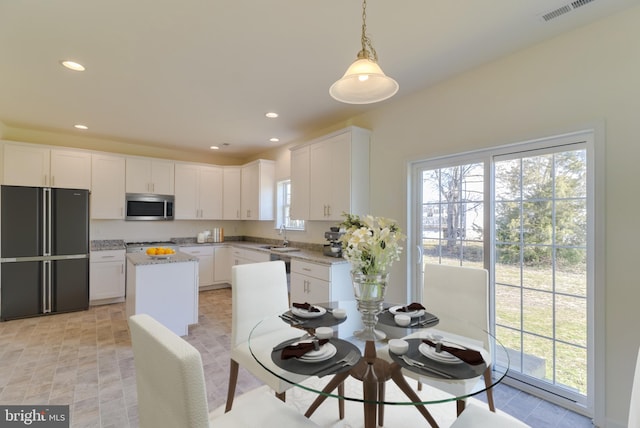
138	176
339	197
26	166
107	186
210	193
320	180
300	184
308	289
70	169
186	192
107	279
162	177
222	264
249	192
231	193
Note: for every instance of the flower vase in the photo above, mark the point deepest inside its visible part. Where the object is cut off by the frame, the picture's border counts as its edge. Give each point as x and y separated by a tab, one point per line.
369	292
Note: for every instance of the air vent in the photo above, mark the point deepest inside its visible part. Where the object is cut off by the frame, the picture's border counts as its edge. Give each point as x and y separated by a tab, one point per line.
576	4
564	9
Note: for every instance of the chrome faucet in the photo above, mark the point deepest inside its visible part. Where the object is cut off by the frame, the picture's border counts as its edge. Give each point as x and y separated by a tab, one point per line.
283	232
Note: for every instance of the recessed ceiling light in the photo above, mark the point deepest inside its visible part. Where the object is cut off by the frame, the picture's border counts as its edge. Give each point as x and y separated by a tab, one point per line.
271	115
72	65
79	126
274	139
214	148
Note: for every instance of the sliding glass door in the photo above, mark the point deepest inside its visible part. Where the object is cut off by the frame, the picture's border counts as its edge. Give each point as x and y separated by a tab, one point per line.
524	213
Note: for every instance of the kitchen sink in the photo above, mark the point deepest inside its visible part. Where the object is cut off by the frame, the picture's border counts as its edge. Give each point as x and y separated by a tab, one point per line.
280	249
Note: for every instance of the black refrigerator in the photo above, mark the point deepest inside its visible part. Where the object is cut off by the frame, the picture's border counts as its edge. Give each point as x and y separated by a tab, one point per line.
44	251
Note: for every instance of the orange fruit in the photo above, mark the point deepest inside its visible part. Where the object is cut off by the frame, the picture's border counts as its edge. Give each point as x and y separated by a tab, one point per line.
151	251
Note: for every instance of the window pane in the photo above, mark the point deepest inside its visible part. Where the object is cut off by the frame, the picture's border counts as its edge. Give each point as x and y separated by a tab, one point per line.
507	180
509	301
537	177
537	312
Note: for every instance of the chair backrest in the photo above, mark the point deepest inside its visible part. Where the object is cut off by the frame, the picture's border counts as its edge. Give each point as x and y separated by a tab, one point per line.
634	405
459	296
258	290
169	377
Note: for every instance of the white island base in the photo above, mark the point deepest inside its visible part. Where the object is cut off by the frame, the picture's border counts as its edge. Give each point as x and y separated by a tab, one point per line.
166	289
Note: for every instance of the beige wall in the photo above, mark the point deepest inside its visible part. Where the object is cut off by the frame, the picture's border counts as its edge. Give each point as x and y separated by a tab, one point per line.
591	75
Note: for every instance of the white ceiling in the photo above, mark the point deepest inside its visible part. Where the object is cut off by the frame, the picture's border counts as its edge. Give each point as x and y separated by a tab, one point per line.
195	73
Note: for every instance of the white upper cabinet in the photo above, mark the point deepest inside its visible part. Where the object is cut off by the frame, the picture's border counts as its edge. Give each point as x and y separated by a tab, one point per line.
198	192
299	208
338	176
107	186
231	193
38	166
146	175
257	190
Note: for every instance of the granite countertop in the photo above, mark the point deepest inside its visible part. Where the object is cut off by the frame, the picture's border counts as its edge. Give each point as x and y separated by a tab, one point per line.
140	259
309	254
107	244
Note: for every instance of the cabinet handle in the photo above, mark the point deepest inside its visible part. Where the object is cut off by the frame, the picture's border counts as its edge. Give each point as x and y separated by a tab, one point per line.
328	210
306	269
107	257
53	180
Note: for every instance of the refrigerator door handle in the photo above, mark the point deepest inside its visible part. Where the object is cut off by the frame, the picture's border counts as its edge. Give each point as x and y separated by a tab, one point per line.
46	224
46	284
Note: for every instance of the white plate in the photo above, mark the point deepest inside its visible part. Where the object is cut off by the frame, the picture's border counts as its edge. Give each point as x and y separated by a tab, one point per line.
325	352
442	357
306	314
414	314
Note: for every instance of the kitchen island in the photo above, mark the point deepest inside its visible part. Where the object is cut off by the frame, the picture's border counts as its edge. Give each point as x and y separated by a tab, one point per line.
165	288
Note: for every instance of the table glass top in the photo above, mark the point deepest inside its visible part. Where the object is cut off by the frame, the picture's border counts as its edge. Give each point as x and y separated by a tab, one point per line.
282	334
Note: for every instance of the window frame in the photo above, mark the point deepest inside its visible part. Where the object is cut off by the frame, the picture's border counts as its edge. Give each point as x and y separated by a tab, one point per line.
593	136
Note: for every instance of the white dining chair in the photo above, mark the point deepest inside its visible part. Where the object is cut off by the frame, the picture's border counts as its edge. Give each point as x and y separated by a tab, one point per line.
459	296
171	386
634	404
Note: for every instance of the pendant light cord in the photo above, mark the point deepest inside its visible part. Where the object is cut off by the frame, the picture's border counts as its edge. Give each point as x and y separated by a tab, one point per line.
367	48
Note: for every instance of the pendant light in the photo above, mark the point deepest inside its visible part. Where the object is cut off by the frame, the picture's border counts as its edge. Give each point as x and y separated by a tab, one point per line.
364	82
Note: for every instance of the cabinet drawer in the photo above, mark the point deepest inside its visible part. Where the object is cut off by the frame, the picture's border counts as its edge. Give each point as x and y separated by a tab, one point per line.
311	269
204	250
107	256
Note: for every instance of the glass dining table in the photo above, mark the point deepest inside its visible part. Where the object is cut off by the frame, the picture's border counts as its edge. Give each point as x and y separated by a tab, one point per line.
286	346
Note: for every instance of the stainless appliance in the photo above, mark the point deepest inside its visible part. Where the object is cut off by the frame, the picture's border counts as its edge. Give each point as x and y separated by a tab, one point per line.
334	247
141	247
44	251
142	206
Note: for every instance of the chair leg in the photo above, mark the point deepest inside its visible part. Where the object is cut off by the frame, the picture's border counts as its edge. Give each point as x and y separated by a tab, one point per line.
341	401
487	382
233	380
460	405
381	391
282	396
419	386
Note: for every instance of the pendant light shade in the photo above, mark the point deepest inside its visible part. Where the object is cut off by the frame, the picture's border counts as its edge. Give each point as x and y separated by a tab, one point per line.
364	81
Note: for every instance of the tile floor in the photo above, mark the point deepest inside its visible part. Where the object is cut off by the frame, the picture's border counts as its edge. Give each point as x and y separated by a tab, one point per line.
84	359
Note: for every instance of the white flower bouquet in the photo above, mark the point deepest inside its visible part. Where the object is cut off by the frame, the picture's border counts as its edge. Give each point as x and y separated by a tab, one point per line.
370	243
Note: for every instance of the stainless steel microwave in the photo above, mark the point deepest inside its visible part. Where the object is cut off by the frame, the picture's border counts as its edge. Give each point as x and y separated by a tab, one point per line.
149	207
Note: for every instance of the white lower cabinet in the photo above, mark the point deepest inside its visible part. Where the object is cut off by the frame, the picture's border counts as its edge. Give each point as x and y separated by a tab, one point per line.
222	264
107	276
317	283
206	266
241	256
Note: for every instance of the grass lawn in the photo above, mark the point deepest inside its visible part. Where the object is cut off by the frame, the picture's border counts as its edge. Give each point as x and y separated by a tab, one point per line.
533	319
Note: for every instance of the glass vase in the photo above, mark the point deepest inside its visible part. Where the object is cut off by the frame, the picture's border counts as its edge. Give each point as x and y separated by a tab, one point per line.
369	291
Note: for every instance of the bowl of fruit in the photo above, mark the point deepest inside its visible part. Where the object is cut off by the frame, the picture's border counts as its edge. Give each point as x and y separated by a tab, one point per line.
160	252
